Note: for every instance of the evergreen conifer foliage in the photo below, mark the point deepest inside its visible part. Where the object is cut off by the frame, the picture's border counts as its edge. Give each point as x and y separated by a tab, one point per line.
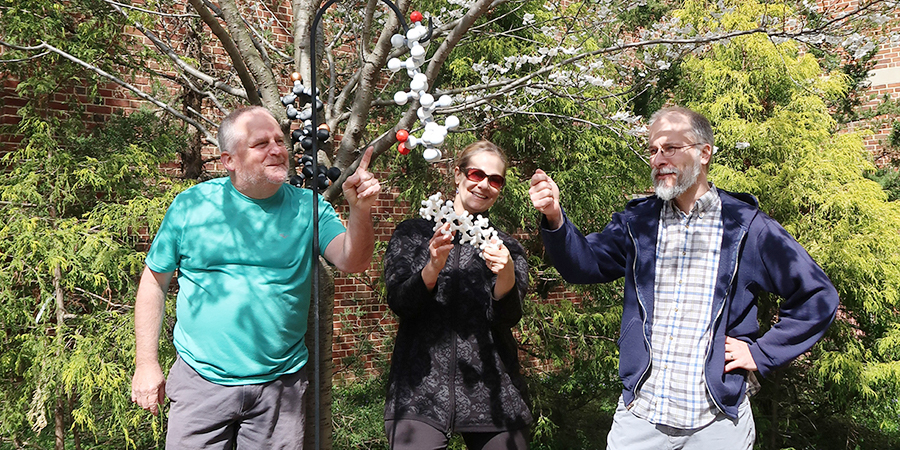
75	207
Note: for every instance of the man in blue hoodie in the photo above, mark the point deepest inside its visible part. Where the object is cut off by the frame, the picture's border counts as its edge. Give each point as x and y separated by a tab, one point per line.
694	258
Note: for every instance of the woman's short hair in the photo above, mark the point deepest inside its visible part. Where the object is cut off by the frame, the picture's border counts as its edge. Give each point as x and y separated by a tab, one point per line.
462	160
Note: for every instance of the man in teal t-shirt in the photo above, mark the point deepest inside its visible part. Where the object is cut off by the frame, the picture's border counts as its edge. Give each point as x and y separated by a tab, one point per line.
242	248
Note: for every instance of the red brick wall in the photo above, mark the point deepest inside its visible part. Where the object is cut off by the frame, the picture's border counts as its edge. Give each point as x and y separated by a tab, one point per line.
363	325
10	103
884	79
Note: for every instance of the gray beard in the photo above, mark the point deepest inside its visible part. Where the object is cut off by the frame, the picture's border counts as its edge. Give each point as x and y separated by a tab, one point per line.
260	179
683	181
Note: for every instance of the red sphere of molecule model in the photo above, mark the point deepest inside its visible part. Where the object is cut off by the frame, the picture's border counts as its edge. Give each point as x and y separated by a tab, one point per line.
295	76
402	135
415	17
402	149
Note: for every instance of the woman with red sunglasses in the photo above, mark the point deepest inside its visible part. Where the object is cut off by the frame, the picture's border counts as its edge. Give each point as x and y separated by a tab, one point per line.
455	367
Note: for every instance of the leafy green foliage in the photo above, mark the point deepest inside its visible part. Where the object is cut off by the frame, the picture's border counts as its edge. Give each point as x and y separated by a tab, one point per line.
358	411
894	138
889	179
74	203
87	29
574	399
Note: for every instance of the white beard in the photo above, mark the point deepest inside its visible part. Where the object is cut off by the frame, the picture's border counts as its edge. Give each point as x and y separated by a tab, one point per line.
683	181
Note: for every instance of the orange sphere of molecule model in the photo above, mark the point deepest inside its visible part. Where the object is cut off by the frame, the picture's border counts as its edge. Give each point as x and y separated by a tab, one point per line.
402	149
416	16
402	135
295	76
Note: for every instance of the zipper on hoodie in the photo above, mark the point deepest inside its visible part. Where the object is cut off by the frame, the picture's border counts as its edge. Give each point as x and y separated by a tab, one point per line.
712	325
637	293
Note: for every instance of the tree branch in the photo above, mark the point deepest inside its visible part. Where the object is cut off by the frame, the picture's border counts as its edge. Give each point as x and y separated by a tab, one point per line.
180	62
150	11
362	102
231	49
120	82
261	71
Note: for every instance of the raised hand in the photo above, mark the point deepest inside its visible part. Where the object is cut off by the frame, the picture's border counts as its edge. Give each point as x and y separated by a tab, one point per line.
544	195
439	247
361	189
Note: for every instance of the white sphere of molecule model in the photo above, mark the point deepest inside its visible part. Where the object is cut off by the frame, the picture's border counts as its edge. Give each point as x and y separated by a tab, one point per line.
431	154
419	82
417	51
451	122
426	100
415	33
291	112
411	141
411	64
445	101
437	137
394	64
397	40
411	35
427	137
401	98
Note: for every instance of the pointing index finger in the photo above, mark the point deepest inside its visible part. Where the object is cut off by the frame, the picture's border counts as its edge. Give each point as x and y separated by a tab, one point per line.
367	156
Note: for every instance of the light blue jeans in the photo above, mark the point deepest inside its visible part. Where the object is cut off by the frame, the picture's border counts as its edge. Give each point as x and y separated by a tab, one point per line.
630	432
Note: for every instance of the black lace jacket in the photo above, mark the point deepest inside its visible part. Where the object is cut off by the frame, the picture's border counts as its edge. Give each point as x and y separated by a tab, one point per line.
455	364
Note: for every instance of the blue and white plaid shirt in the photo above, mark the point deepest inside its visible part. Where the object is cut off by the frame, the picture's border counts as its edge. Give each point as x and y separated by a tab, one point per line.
687	256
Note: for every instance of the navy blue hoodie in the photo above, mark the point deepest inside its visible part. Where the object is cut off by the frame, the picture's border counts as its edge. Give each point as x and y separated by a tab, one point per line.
757	255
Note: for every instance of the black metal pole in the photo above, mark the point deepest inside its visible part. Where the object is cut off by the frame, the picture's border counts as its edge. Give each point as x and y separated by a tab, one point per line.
314	301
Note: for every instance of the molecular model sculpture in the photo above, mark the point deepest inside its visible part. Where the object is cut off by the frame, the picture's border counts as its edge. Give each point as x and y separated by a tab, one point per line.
477	232
433	135
305	134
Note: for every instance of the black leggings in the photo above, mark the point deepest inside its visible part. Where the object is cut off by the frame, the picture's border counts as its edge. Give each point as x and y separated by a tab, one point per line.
415	435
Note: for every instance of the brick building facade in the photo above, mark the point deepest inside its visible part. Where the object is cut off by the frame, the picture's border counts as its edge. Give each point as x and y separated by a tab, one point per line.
882	87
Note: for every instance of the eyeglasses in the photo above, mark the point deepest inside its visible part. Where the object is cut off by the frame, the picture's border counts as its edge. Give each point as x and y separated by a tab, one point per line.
667	150
476	175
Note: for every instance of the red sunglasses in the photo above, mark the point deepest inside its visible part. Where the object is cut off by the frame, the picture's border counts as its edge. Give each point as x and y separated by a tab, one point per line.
476	175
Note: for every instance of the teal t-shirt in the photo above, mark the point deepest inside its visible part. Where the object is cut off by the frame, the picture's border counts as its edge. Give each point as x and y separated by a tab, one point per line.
244	278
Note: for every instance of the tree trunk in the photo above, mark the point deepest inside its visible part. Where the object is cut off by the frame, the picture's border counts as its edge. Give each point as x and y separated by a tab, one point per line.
59	413
60	426
192	155
326	364
76	438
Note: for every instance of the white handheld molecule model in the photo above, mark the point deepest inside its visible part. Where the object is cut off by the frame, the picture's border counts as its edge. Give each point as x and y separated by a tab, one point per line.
478	232
434	133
